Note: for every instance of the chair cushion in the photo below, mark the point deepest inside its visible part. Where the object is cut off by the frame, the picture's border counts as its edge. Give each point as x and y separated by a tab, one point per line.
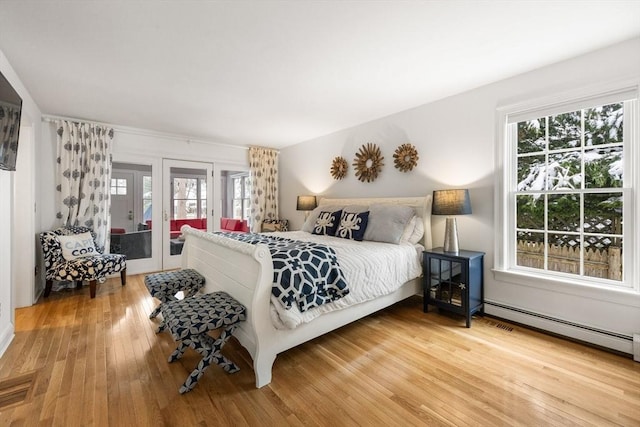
86	268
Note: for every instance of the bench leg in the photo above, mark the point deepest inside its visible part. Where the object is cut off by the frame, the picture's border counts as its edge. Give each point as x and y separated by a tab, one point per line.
178	352
155	312
210	349
163	298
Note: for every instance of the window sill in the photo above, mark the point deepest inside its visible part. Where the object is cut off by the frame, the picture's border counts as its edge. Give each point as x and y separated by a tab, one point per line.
623	296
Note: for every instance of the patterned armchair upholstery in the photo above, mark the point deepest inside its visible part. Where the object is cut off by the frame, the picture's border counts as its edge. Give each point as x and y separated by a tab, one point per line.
91	268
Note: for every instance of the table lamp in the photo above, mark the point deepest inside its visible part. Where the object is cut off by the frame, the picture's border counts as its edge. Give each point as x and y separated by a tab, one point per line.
306	203
451	202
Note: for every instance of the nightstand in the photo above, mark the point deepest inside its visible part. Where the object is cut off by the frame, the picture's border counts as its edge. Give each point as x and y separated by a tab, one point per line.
454	281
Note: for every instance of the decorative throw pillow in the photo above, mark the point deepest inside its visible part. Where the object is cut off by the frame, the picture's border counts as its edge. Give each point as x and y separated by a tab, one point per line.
270	225
327	223
387	222
353	225
310	222
77	246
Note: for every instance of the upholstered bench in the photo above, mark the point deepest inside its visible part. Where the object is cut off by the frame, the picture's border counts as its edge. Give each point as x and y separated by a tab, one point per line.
164	286
189	321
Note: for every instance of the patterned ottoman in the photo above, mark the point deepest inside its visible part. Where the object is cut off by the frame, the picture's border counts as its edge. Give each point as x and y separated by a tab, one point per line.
190	320
165	286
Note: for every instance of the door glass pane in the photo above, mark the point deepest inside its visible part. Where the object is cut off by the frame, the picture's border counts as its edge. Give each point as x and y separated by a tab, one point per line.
131	210
188	204
247	186
237	188
233	193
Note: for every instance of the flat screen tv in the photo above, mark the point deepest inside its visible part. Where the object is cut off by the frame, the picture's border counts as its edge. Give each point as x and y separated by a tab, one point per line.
10	110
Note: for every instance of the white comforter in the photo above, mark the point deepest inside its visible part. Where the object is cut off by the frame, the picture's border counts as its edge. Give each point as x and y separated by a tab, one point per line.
371	269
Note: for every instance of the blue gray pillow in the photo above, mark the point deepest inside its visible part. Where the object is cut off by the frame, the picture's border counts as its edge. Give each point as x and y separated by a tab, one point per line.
387	223
353	225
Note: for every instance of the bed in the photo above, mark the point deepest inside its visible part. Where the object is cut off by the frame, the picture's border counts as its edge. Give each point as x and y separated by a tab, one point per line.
245	271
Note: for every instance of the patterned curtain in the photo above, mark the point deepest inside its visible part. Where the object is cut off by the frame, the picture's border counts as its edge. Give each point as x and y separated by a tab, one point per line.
263	168
84	177
9	125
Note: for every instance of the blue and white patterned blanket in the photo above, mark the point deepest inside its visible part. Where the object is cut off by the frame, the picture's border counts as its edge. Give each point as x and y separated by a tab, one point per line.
304	273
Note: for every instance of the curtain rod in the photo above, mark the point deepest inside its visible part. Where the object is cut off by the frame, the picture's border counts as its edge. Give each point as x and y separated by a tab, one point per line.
137	131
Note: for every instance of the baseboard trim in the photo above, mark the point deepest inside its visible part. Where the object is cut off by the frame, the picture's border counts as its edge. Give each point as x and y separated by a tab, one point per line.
6	336
599	337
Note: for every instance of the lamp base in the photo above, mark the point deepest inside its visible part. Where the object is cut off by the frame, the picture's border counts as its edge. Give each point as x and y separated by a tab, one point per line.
451	236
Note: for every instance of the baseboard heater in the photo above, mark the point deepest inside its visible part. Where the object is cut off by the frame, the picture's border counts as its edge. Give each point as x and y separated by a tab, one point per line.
600	337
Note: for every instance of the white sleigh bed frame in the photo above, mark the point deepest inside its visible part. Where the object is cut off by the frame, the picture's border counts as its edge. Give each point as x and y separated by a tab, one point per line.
245	271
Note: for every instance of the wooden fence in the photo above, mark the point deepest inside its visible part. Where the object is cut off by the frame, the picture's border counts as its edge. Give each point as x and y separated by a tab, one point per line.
603	263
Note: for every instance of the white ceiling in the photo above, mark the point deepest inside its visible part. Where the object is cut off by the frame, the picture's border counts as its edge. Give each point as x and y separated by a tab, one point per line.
275	73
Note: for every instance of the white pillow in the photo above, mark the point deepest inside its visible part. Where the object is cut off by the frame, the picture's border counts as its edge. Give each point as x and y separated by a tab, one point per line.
414	231
77	246
418	232
408	230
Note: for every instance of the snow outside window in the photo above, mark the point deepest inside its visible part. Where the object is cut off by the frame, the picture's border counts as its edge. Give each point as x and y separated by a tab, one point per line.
567	196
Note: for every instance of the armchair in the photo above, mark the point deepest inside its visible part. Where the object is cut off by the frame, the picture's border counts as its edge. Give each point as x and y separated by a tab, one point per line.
76	262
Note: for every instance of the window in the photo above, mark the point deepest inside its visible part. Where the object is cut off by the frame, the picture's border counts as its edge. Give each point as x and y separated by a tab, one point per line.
146	197
189	197
565	194
241	194
118	187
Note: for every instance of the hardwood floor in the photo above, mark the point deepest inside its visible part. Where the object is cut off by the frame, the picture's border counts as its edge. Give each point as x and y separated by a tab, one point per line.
99	362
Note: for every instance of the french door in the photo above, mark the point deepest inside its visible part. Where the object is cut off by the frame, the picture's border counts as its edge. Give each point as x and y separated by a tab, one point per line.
131	215
122	200
187	199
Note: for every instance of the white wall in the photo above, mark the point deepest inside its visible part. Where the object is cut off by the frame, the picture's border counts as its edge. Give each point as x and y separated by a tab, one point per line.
13	273
455	139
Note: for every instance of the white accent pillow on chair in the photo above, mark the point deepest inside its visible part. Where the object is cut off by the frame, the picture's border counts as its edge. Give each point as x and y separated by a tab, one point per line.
77	246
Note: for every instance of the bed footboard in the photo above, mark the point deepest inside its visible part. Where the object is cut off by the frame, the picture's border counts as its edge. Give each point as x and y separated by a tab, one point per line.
244	271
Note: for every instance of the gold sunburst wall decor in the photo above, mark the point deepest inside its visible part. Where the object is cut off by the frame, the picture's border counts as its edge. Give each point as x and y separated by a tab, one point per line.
405	157
339	167
368	162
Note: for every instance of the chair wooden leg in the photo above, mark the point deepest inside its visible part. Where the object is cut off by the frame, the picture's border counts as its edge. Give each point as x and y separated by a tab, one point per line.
47	288
123	276
92	288
78	284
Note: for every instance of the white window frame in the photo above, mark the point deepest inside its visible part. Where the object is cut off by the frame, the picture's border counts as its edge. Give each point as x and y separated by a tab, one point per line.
115	185
200	213
505	266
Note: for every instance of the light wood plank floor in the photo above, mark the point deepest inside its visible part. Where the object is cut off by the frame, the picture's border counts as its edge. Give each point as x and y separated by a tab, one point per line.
99	362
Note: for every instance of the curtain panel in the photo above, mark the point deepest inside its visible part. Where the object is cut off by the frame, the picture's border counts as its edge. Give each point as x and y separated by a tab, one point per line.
83	177
9	125
263	169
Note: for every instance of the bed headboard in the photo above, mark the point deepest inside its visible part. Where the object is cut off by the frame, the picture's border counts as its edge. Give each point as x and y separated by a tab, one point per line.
422	206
